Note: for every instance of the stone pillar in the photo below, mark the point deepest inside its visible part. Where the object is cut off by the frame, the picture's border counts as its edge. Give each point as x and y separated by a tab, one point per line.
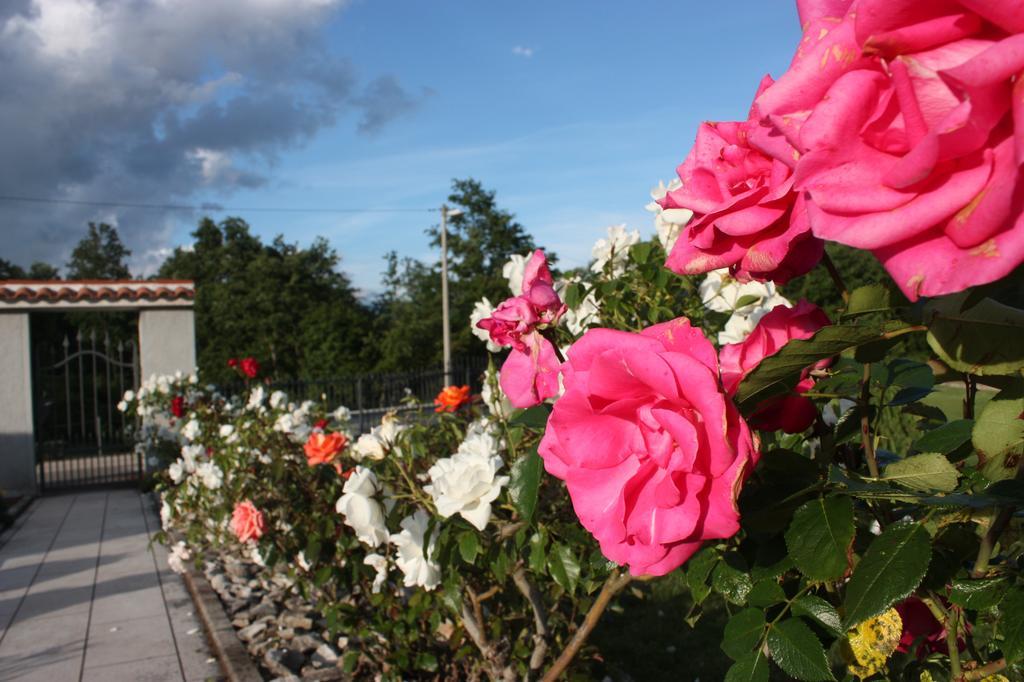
17	438
167	341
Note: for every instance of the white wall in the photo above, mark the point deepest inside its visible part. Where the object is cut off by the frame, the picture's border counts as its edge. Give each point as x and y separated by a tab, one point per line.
17	444
167	341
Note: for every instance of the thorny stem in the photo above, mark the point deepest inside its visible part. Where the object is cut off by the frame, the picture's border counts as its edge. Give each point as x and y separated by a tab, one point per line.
985	670
988	543
865	421
612	586
950	619
837	279
970	391
541	633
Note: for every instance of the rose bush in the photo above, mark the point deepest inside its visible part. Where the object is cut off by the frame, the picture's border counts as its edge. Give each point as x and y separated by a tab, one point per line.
842	499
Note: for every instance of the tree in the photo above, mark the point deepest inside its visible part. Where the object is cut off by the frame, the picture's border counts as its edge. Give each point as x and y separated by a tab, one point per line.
480	241
38	270
99	255
289	307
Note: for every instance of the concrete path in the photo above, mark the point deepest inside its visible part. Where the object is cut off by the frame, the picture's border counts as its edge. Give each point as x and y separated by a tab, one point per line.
84	597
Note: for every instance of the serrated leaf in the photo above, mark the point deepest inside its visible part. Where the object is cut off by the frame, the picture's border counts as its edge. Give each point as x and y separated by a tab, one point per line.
742	633
796	650
698	570
929	471
751	668
983	340
780	372
535	417
978	594
731	583
998	434
871	298
469	546
766	593
1011	625
890	569
641	252
573	295
821	611
820	535
946	438
910	394
524	483
564	567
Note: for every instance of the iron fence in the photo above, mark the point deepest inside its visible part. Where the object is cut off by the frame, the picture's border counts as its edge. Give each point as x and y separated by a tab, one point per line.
370	396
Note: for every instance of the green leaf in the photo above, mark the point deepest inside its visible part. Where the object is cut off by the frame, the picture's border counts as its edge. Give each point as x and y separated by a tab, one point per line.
930	471
742	633
564	567
984	339
946	438
872	298
469	546
731	583
535	417
747	300
525	483
998	434
892	567
978	594
820	535
322	575
766	593
910	394
426	661
818	609
538	558
641	252
573	295
779	373
796	650
751	668
1011	625
698	570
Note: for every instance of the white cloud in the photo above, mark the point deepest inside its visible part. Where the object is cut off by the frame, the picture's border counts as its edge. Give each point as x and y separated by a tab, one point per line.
521	51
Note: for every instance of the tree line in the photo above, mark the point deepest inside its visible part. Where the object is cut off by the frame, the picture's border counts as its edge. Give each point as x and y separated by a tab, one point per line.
293	308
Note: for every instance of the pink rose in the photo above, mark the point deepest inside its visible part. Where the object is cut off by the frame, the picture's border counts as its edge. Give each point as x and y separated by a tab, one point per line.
653	453
247	522
791	413
746	215
530	373
908	117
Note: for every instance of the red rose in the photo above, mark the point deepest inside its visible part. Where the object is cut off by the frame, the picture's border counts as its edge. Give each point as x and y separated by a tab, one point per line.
790	413
250	367
178	406
232	362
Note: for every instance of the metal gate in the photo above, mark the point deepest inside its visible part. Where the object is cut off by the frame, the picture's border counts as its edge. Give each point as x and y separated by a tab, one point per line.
82	439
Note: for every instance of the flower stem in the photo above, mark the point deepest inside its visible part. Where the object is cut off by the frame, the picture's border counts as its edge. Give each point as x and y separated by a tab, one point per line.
612	586
837	279
865	421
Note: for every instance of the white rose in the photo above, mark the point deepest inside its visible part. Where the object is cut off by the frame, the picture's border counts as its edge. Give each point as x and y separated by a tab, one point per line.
177	557
177	471
668	222
278	399
226	430
513	271
412	558
381	439
481	311
495	399
303	563
190	455
361	511
740	326
720	292
256	397
342	414
578	319
210	474
379	563
614	250
191	430
467	482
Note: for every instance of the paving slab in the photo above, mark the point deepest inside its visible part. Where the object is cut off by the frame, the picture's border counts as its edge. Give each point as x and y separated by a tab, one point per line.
83	596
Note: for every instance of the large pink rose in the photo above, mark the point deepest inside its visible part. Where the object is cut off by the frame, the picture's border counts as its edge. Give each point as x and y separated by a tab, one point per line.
746	215
247	522
530	373
791	413
653	453
908	117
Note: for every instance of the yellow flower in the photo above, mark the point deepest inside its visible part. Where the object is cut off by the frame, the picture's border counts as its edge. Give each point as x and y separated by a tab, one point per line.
870	644
995	678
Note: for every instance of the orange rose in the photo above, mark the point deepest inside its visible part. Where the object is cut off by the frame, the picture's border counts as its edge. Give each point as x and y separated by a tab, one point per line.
247	522
322	448
451	398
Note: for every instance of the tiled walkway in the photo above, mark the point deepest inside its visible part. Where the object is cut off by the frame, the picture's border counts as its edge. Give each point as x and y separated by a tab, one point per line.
84	597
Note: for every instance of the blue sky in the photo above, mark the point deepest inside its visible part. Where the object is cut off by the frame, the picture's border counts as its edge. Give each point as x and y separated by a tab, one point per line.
570	111
571	137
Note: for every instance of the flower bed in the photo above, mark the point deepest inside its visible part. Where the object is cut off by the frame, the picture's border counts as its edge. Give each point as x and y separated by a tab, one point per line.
796	471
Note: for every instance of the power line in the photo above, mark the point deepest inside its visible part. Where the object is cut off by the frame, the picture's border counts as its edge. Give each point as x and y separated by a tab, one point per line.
211	208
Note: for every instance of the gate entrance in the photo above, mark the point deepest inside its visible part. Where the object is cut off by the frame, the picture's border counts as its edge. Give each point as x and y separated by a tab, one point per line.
81	438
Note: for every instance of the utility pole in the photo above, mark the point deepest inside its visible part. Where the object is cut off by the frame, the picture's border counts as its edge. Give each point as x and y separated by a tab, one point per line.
446	332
